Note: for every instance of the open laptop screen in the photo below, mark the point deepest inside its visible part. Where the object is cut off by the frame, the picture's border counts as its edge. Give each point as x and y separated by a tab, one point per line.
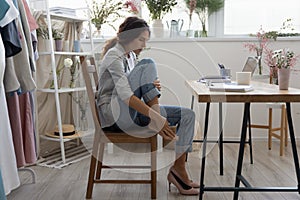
250	65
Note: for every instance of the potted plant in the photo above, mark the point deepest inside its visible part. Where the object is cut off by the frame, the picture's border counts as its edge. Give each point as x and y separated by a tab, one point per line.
104	12
43	38
204	8
57	36
282	61
157	9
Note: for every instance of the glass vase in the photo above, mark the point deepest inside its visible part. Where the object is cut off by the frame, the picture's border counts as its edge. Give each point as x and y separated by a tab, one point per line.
83	122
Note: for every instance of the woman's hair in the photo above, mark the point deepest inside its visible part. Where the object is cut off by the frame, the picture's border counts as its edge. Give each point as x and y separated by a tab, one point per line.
129	30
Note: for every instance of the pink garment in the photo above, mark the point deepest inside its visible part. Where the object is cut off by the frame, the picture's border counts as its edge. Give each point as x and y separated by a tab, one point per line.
31	20
20	115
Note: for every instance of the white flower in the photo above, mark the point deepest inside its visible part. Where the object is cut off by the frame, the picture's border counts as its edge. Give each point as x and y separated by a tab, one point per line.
68	62
77	59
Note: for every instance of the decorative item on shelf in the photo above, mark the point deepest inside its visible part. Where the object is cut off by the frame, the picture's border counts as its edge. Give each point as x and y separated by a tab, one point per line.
81	100
104	12
175	27
157	9
67	63
204	8
77	46
43	38
74	71
58	36
260	46
191	6
282	60
67	130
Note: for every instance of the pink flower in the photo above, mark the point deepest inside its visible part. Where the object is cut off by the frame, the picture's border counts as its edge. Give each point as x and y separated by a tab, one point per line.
259	46
132	5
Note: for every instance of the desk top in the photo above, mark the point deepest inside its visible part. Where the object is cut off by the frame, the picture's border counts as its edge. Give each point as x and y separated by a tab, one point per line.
263	92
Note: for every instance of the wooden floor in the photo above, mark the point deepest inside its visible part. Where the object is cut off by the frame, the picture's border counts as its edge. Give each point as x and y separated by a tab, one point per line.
69	183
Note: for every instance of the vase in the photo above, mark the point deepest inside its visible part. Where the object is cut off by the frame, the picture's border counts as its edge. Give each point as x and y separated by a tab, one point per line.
97	33
284	78
58	45
158	28
83	123
259	63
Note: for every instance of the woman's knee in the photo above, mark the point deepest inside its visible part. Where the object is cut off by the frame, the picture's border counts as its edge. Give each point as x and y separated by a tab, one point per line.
146	61
188	113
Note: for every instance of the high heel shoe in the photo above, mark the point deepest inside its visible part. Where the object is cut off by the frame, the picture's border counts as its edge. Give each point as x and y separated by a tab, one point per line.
180	185
191	183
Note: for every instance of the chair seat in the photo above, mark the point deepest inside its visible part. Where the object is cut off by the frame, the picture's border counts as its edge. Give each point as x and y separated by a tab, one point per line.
275	105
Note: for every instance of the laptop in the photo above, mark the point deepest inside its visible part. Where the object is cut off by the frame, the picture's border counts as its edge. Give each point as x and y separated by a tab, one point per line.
250	65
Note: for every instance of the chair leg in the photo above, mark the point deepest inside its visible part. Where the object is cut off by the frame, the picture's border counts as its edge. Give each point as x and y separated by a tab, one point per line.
153	166
270	129
100	160
91	179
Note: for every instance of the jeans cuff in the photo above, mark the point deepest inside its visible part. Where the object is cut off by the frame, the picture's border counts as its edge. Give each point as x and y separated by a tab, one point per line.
151	94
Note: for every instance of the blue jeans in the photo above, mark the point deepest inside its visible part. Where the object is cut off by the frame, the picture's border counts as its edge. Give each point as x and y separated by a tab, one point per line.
141	80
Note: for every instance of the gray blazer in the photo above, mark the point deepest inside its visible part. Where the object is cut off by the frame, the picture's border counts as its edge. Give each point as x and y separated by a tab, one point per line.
113	85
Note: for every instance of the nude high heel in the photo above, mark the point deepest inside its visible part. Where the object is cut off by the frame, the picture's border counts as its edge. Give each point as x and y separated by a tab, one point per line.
180	185
192	184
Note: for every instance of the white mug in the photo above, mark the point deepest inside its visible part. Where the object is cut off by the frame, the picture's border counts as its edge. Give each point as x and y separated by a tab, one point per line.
243	78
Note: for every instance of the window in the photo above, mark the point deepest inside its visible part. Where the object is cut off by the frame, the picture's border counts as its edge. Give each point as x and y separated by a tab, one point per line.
247	16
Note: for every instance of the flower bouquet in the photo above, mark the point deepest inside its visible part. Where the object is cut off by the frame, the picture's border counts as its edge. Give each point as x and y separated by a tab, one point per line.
280	61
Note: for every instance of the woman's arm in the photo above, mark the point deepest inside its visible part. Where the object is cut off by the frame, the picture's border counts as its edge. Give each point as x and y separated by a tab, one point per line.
158	123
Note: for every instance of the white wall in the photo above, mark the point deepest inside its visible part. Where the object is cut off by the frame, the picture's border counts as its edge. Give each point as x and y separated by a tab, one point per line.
186	59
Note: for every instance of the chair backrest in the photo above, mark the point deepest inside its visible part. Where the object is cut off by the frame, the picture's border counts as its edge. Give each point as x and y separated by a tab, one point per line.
87	71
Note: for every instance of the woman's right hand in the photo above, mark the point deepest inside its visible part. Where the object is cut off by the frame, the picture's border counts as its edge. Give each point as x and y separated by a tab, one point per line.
159	124
167	133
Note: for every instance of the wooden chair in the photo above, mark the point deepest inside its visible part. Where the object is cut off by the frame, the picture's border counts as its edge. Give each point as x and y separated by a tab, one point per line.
101	138
272	131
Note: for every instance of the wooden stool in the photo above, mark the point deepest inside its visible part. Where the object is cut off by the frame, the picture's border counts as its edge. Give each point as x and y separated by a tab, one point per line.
272	131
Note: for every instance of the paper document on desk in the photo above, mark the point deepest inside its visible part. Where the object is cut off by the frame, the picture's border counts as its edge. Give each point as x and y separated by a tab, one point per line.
215	79
223	87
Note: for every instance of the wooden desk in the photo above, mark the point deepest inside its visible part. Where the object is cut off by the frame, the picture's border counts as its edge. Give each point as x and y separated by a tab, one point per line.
262	93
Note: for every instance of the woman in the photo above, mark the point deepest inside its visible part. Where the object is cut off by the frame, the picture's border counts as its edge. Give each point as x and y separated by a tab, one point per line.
128	98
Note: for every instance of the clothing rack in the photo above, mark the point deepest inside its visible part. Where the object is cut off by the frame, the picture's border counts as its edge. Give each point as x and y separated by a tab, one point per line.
31	171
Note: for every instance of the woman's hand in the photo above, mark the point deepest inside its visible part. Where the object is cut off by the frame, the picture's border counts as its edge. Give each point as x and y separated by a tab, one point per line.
159	124
167	133
157	84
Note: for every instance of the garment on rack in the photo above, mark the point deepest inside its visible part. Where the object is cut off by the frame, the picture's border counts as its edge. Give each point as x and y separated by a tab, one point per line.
20	65
10	15
11	39
31	21
20	114
2	193
8	163
4	7
27	29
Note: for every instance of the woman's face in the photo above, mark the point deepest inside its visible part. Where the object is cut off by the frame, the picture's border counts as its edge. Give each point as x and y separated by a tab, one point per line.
139	43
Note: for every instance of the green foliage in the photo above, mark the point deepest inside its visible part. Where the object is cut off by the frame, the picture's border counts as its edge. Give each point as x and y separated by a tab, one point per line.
57	34
105	11
43	32
204	8
158	8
